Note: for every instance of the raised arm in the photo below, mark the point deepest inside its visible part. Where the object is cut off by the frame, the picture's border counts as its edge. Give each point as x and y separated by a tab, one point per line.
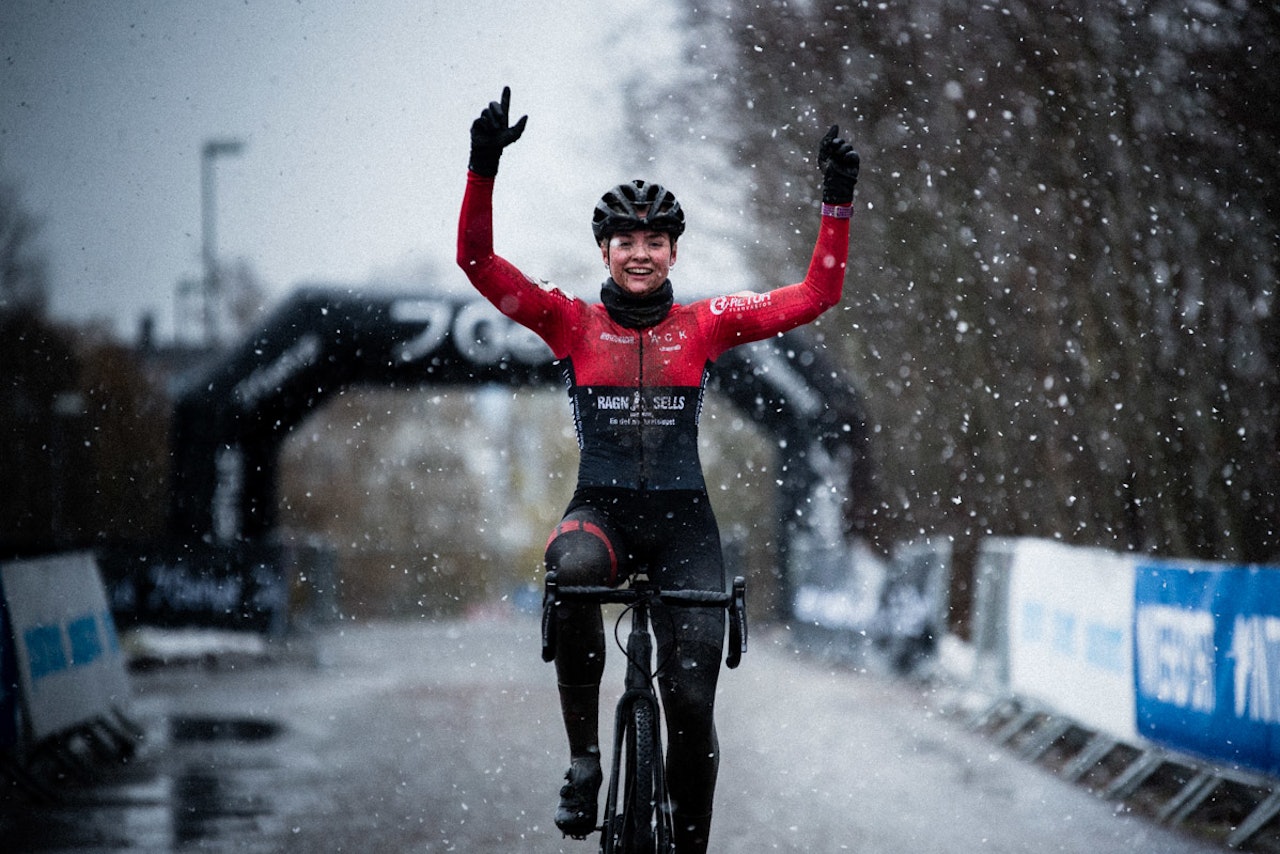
740	318
490	134
499	281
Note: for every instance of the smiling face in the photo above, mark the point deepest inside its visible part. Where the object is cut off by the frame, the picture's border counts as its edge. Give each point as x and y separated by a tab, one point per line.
639	261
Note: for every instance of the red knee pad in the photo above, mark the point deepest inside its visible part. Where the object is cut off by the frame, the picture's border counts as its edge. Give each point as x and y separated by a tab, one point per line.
594	530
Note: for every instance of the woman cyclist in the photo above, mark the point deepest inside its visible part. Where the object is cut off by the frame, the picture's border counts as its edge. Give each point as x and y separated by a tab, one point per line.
636	367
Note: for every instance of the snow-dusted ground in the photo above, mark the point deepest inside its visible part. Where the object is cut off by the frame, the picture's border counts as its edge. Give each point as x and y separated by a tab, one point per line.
445	737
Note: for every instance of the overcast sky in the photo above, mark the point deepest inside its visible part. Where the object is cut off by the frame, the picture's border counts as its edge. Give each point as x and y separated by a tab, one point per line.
355	120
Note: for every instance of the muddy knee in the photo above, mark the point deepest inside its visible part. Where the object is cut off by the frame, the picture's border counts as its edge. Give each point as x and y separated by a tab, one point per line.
581	552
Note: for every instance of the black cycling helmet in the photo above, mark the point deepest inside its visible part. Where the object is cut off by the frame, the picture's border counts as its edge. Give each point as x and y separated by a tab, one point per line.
620	210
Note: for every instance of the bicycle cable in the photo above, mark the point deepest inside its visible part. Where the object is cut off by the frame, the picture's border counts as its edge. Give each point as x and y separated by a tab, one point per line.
621	644
654	613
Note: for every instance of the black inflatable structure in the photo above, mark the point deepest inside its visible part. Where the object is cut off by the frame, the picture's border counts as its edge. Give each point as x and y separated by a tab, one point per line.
230	420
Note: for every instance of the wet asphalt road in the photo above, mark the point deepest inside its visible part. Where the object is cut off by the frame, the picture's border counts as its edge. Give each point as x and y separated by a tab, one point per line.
433	737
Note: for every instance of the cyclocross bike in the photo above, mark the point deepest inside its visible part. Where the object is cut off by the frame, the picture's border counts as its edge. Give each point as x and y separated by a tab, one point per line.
641	822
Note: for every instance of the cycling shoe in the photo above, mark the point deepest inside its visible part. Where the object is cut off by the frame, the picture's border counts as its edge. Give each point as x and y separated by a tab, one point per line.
576	815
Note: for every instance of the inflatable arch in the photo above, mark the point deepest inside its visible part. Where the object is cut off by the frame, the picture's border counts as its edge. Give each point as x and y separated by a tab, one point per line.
230	419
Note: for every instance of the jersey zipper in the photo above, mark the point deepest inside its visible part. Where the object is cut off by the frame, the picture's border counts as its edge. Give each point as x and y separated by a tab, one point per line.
644	462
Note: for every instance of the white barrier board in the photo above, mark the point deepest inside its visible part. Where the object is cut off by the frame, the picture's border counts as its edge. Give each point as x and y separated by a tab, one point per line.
70	667
1071	633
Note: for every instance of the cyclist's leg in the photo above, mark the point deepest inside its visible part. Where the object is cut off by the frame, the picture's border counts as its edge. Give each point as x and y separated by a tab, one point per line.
693	750
581	552
691	643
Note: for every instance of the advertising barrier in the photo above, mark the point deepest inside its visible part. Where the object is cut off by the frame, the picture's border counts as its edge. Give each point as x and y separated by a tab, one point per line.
239	587
1207	647
1177	660
912	617
1070	614
990	644
1176	654
847	597
69	662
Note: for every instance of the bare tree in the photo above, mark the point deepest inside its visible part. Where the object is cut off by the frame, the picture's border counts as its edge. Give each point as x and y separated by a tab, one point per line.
38	452
37	375
1061	296
123	416
82	425
23	269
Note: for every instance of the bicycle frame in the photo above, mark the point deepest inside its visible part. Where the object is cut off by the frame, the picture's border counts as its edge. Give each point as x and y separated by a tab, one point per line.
638	716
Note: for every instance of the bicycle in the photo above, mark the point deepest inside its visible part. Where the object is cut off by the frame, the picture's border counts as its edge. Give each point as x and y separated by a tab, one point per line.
643	826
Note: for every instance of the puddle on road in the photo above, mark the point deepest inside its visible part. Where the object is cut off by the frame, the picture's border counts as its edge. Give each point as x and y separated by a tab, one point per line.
205	781
197	729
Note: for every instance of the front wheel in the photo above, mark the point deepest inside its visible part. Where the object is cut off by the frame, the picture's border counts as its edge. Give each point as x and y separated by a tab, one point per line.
644	823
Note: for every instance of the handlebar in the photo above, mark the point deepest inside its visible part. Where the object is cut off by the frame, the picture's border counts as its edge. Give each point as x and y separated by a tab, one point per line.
734	601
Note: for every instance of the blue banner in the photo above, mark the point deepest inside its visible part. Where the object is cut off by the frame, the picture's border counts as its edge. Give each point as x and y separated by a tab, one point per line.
1207	661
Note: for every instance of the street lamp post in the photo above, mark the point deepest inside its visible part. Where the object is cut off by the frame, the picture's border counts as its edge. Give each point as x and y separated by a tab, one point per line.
212	290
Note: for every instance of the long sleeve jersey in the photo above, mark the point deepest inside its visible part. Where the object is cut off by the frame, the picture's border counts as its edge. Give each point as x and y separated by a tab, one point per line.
637	393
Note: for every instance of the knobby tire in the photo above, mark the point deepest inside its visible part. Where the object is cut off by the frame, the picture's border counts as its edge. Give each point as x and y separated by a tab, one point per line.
638	803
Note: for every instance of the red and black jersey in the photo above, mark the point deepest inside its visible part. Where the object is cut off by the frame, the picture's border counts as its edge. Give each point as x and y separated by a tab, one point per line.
637	393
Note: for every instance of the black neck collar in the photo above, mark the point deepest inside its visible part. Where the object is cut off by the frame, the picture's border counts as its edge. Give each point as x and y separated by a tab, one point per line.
636	312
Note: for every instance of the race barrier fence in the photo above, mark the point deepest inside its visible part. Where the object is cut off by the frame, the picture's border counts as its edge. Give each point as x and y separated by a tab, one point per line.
1147	668
1207	660
1174	663
237	586
64	694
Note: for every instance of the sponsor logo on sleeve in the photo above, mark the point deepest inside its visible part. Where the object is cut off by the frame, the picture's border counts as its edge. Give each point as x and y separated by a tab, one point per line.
744	301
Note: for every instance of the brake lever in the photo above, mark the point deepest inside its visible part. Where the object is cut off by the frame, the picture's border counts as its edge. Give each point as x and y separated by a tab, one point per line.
737	623
549	618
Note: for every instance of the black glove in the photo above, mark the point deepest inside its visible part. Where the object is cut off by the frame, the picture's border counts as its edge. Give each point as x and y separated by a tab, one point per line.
490	134
839	164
